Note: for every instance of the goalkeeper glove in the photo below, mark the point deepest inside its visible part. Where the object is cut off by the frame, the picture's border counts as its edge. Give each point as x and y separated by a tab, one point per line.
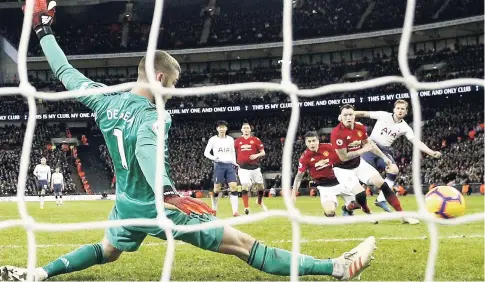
43	17
188	205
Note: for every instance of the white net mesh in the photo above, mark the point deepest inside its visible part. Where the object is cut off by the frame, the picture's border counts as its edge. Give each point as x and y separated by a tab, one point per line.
286	86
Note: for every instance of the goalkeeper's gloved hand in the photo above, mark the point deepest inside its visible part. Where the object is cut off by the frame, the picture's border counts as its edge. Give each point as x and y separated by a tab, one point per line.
188	205
43	17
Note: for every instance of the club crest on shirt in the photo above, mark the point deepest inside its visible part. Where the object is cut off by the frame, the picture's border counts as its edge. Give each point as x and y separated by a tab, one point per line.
251	142
359	133
326	153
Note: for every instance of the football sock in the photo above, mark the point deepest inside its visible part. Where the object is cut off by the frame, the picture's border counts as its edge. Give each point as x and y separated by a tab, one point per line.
361	199
82	258
234	201
391	198
390	179
41	201
278	262
260	197
215	200
245	199
60	199
380	197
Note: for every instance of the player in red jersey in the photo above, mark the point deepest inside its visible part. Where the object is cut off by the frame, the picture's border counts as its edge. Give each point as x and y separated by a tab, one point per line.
350	141
318	159
249	150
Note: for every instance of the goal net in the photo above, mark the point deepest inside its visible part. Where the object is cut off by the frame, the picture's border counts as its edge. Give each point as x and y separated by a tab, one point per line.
286	86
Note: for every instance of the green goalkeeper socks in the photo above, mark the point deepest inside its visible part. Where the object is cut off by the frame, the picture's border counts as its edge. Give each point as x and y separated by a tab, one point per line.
82	258
278	262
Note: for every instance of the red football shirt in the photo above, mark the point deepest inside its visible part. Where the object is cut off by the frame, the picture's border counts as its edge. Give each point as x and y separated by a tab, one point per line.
350	139
245	148
319	164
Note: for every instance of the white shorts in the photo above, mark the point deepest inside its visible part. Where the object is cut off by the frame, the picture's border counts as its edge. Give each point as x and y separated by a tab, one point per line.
330	193
350	177
248	177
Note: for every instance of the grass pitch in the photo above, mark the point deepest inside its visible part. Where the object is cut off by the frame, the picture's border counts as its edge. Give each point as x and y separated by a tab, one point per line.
401	255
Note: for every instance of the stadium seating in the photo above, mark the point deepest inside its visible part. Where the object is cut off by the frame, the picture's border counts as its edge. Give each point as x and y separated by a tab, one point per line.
231	22
464	61
10	150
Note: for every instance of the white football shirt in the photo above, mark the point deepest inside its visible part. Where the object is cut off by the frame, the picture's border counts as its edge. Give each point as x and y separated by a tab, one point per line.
43	172
386	130
57	178
222	149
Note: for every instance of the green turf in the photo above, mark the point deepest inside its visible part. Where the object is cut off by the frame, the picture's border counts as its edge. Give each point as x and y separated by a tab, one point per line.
403	259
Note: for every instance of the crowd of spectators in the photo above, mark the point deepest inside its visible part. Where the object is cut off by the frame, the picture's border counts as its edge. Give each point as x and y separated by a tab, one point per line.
99	28
454	128
10	151
463	61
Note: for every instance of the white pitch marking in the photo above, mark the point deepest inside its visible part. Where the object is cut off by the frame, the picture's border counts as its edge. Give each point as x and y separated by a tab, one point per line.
303	241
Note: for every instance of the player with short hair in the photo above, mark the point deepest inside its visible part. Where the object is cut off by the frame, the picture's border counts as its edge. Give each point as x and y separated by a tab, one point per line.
387	129
128	121
318	160
43	173
57	185
249	150
224	158
350	141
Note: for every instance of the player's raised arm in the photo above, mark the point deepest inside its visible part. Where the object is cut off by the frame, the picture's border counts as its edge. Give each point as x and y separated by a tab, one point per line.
423	147
370	114
65	72
208	148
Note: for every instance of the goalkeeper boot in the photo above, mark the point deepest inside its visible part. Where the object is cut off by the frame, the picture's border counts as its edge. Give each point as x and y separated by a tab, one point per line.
12	273
351	264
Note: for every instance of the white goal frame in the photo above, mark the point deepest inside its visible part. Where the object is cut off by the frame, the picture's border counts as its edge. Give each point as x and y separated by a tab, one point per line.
286	86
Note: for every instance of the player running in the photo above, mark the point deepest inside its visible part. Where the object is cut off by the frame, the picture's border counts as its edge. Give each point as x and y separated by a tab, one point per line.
57	185
128	122
387	129
43	173
350	141
249	150
318	160
224	158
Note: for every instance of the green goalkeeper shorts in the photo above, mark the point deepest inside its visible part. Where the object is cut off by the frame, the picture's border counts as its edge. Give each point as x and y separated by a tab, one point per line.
129	238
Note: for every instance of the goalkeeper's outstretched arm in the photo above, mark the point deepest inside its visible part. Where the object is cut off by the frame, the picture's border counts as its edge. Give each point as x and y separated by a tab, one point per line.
69	76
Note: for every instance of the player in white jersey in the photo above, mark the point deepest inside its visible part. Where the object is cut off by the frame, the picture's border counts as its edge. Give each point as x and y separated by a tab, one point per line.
224	158
43	173
57	185
387	129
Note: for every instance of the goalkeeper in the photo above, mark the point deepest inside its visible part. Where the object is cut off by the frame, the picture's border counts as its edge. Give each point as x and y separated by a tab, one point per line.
128	123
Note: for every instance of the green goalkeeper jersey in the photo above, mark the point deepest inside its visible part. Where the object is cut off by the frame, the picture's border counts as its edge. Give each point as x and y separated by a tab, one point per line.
128	124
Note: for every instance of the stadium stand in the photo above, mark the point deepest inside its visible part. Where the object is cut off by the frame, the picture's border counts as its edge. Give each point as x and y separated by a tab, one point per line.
463	61
229	22
10	151
457	134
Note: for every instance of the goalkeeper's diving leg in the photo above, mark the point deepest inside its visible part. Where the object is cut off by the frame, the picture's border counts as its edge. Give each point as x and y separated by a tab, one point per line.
225	240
